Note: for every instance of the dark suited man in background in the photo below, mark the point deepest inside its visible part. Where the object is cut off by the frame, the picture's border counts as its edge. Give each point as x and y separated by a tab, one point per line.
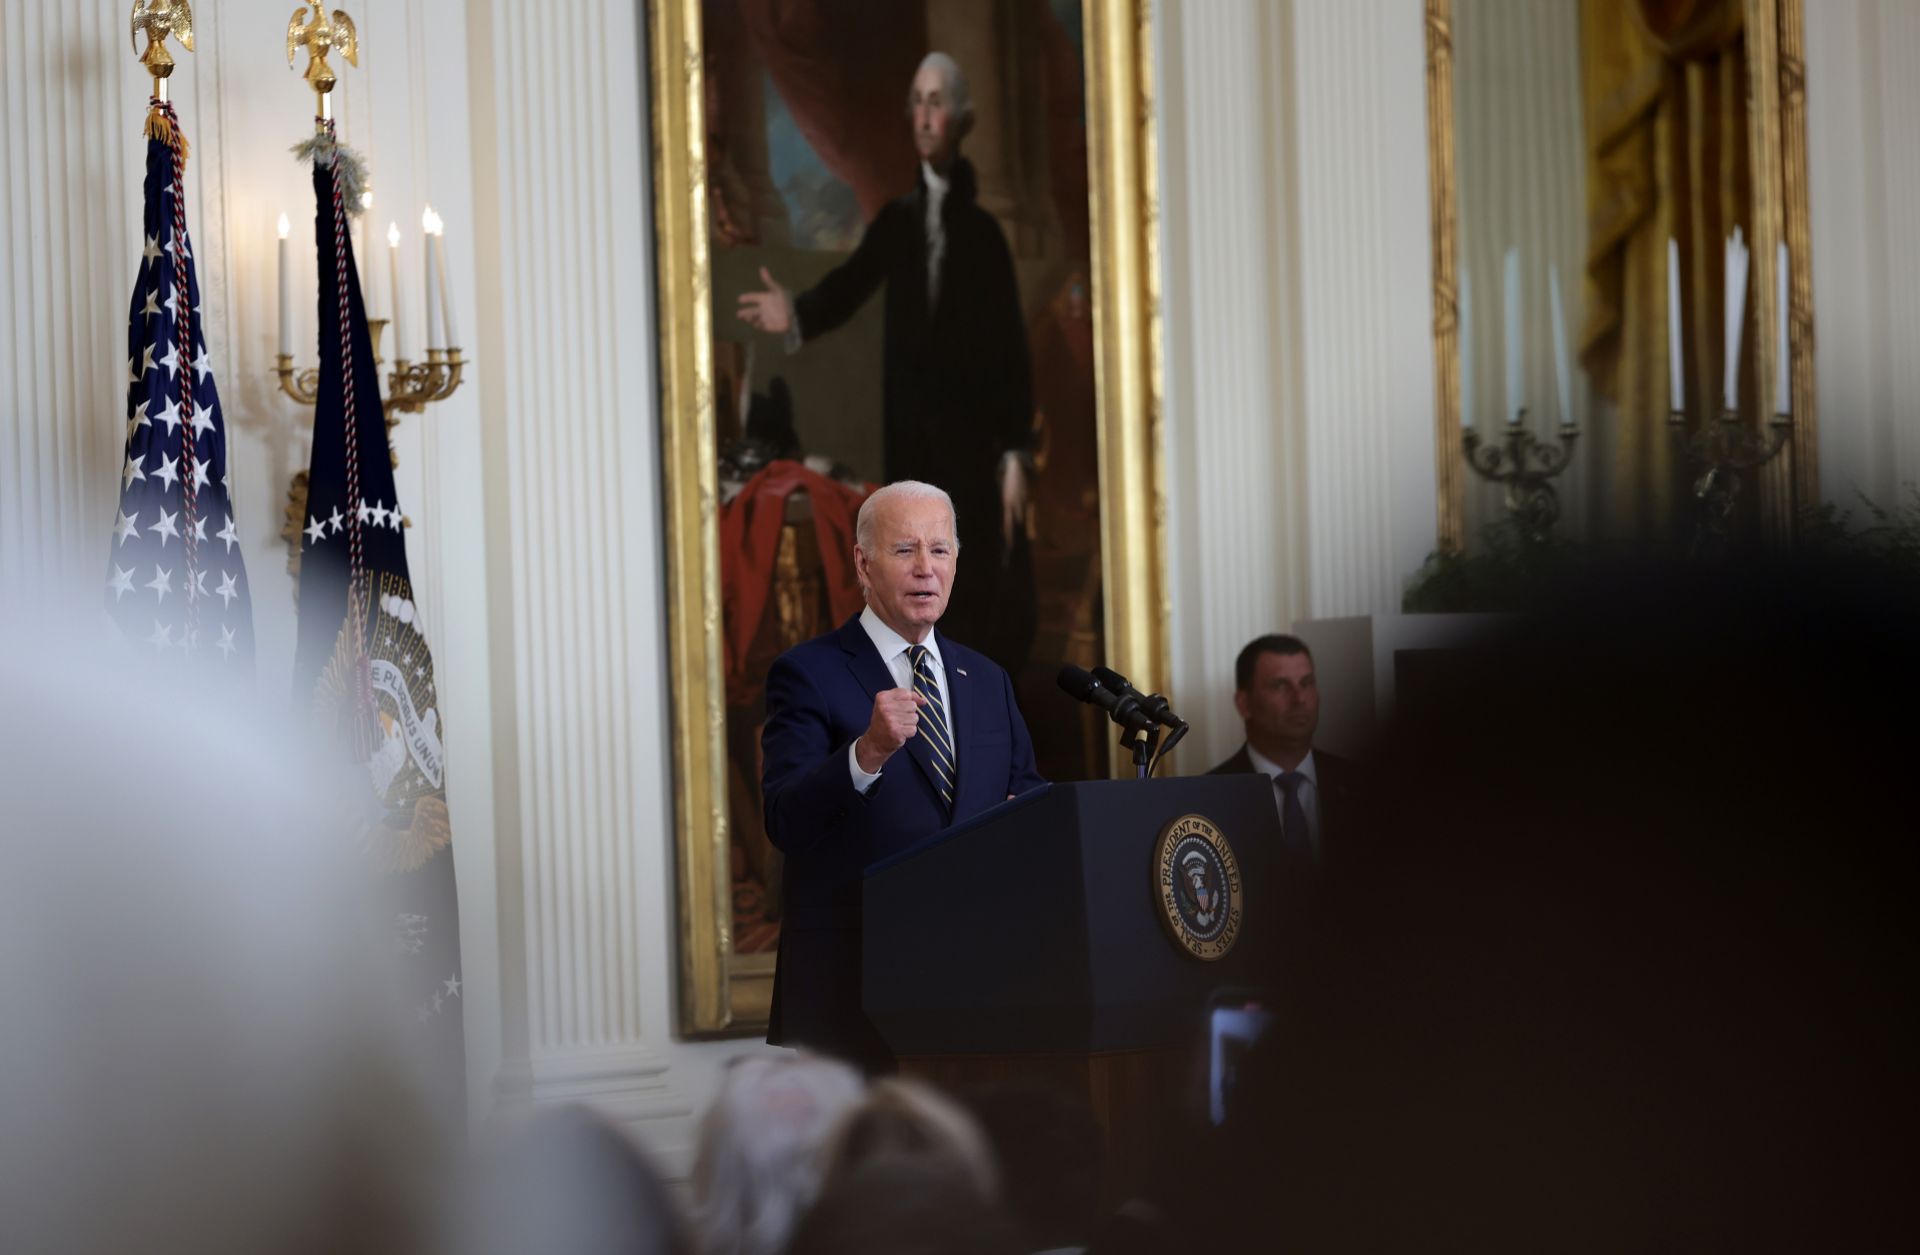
957	387
878	735
1278	697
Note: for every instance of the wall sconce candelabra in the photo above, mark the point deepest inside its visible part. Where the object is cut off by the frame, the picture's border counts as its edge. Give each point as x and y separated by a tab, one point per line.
1728	448
1521	462
1526	467
410	385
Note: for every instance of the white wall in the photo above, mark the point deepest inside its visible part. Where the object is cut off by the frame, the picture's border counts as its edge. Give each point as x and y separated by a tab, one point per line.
1863	116
1299	348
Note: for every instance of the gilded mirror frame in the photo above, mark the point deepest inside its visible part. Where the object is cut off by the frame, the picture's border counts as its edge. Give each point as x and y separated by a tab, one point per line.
721	992
1777	141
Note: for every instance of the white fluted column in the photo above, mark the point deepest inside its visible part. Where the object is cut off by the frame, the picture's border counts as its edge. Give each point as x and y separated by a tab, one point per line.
1299	346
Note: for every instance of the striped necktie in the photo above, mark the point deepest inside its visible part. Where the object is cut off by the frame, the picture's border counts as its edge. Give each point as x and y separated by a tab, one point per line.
933	721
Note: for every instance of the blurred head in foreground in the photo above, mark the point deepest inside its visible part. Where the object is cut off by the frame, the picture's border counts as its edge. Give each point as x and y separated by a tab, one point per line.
761	1152
196	1054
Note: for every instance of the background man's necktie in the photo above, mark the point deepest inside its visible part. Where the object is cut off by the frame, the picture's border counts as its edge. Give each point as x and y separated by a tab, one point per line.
933	721
1293	814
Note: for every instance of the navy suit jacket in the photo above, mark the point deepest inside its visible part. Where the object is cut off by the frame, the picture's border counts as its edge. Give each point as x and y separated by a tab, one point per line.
819	700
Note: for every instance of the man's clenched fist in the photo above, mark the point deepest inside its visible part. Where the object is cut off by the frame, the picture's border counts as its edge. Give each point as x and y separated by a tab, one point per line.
896	717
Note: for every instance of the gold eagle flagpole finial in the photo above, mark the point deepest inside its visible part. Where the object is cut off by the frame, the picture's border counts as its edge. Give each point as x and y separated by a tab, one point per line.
323	33
159	19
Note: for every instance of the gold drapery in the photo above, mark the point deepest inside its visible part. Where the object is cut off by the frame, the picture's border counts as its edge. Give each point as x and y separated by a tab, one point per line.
1664	83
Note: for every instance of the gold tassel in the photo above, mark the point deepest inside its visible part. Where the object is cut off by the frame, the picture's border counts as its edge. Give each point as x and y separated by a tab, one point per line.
160	127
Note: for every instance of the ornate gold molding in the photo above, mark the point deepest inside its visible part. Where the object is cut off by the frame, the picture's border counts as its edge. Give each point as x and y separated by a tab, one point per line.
721	992
1792	80
1449	464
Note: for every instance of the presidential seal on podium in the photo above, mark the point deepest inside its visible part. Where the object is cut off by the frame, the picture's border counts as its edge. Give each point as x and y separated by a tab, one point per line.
1196	882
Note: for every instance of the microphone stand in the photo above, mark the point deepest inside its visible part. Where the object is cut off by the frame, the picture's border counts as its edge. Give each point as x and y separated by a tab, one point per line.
1142	744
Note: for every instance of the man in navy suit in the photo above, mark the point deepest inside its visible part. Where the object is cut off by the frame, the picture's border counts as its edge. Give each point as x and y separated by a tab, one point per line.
1277	695
878	735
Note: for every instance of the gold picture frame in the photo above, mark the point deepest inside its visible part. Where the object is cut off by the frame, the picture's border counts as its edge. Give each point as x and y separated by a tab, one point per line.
721	992
1777	143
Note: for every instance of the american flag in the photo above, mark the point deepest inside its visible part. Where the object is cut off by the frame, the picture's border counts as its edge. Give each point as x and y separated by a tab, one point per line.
362	658
175	578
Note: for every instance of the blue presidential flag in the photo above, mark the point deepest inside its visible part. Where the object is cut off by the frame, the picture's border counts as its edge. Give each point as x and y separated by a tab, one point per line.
362	665
175	578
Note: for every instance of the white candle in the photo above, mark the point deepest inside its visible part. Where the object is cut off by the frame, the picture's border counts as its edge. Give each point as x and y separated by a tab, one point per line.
434	339
286	290
1562	369
440	271
1676	363
1515	340
393	291
1736	317
1466	349
1783	351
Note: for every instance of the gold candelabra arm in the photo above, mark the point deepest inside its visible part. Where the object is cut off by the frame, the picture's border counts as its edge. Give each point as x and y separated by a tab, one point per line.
411	385
1525	467
303	385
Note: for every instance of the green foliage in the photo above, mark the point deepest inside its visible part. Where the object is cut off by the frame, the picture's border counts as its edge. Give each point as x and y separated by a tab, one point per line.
1509	572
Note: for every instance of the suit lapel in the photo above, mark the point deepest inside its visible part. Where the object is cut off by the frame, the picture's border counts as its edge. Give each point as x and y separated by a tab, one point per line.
960	708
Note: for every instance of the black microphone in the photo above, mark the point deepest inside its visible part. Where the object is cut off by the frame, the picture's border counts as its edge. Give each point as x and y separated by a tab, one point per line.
1153	704
1122	709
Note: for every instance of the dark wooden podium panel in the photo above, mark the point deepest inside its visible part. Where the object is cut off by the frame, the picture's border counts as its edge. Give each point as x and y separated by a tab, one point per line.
1029	944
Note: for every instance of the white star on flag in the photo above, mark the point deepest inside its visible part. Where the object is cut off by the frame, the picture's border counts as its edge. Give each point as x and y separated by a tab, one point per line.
132	472
165	528
316	530
177	247
202	418
397	520
152	306
169	470
379	515
202	365
122	581
229	588
172	360
146	360
225	643
452	984
197	586
162	635
365	511
334	521
226	534
124	529
161	583
199	525
170	415
200	477
139	417
152	250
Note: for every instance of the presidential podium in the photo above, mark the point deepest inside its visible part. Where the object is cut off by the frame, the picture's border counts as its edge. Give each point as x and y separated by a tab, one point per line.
1073	936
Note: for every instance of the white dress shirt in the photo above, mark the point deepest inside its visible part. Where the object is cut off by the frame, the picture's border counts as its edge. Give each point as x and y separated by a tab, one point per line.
936	231
1309	790
893	651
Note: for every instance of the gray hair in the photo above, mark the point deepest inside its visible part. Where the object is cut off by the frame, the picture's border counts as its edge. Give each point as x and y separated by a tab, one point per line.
762	1146
902	490
959	95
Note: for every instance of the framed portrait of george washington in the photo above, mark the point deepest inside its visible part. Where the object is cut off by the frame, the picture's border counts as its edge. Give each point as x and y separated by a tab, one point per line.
853	291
